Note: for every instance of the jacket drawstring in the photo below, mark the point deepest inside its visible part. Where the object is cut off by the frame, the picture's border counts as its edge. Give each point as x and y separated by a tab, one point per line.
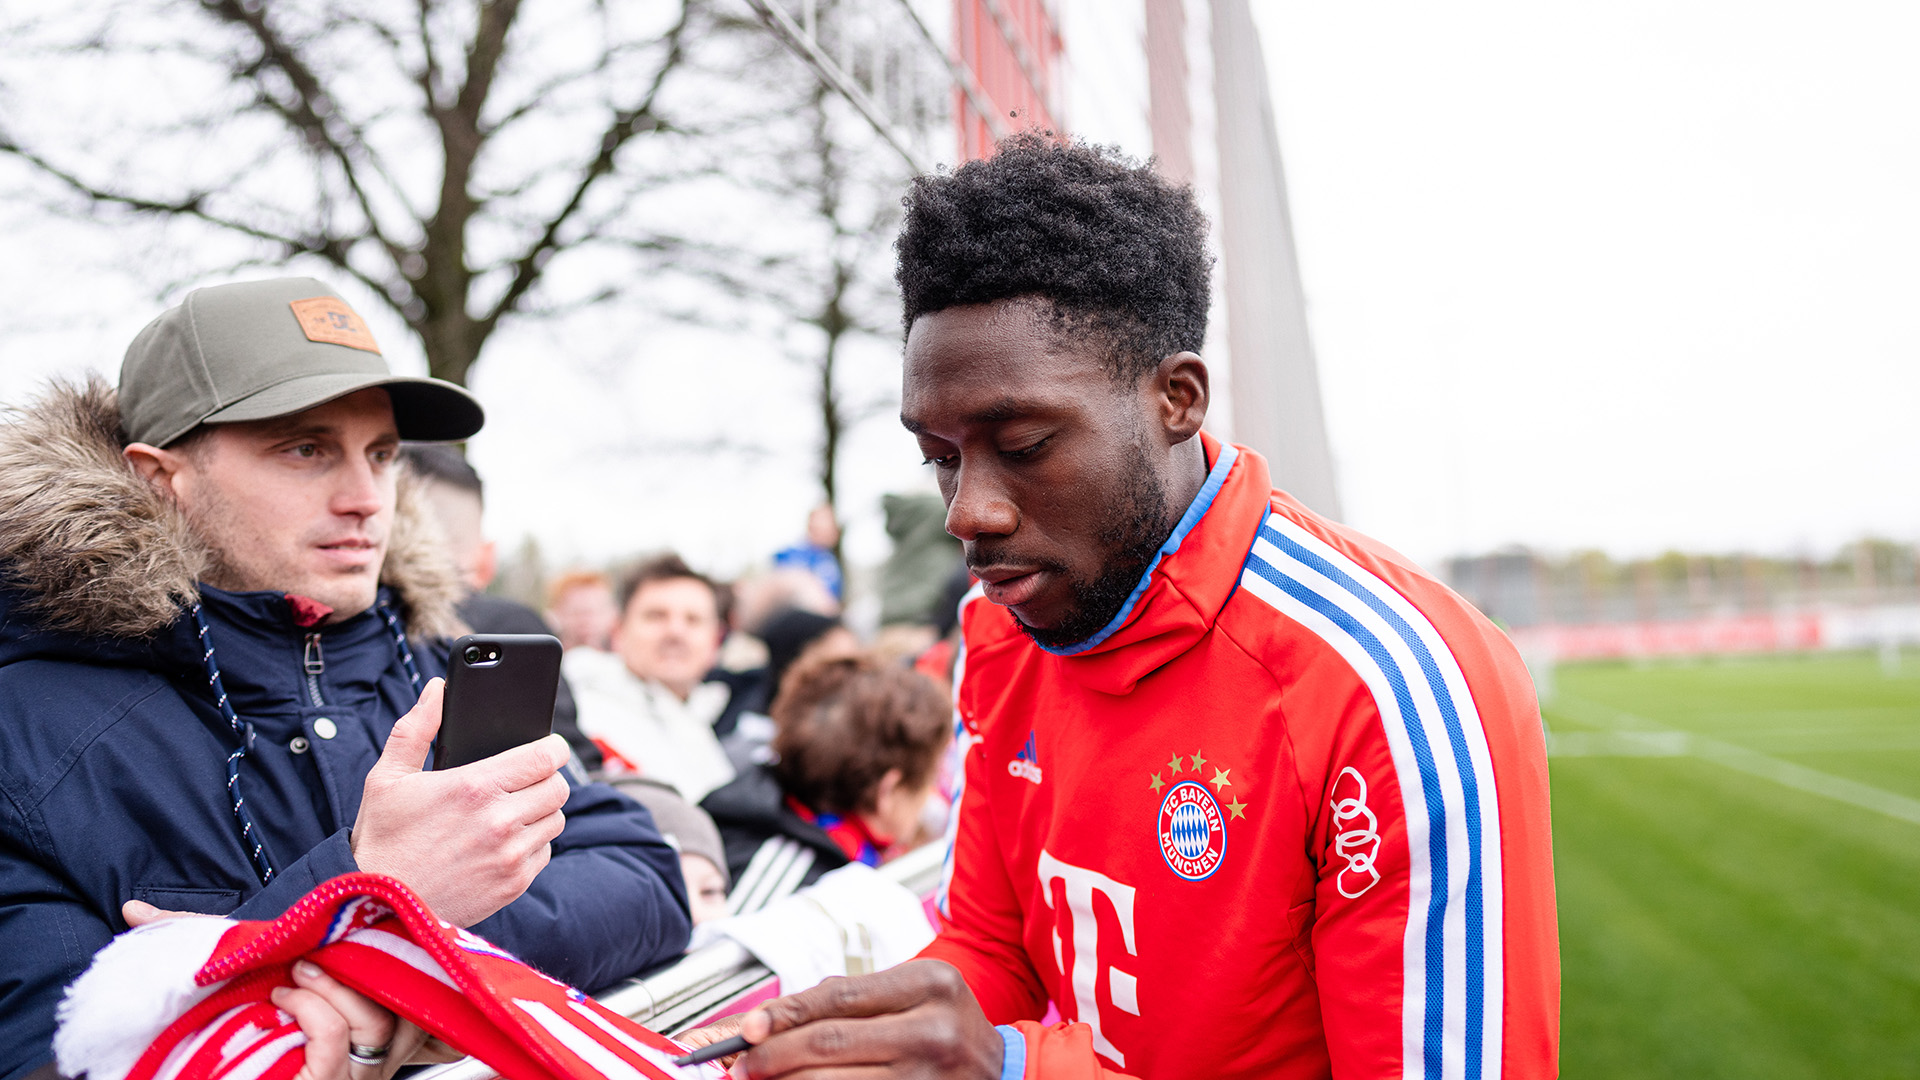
249	836
400	644
243	731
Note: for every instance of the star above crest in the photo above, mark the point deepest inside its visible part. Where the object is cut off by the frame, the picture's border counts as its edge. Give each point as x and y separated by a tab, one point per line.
1222	779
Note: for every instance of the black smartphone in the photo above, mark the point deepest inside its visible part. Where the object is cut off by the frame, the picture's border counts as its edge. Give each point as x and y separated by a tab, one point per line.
500	694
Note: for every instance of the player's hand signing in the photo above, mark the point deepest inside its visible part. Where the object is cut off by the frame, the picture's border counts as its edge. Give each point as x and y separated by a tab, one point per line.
915	1020
468	840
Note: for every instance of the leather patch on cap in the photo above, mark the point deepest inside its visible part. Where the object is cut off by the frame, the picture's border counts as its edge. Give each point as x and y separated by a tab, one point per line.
328	319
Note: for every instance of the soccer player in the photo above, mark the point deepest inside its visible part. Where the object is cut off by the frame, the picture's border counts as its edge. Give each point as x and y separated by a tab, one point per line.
1247	794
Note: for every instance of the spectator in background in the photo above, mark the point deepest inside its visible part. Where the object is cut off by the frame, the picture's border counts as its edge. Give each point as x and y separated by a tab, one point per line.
744	728
816	554
790	634
914	577
703	860
858	743
456	496
757	598
783	635
647	704
581	610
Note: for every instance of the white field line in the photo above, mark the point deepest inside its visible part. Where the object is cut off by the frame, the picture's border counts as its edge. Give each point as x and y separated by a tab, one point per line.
1636	736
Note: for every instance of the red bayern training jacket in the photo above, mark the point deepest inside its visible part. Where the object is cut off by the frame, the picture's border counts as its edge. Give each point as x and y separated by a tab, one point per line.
1285	816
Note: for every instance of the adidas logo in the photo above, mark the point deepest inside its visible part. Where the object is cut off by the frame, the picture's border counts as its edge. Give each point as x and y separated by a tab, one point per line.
1026	764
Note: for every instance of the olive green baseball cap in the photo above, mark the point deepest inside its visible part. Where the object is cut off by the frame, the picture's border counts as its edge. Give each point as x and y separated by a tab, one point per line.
262	349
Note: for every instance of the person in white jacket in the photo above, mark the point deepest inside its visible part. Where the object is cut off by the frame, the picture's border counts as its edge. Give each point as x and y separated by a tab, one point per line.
646	704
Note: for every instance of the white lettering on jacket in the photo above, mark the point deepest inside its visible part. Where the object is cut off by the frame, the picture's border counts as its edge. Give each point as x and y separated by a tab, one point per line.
1122	987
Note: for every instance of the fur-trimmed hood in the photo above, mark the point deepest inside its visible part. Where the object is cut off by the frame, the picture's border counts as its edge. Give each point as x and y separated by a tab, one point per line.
95	551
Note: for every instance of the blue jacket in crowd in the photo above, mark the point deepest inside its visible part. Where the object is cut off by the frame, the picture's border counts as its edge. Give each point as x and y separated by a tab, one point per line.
113	750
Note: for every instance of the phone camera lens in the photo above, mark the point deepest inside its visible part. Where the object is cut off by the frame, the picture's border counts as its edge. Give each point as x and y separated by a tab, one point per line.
473	654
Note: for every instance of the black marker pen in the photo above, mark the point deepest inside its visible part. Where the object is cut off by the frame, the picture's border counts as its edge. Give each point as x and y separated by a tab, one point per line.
731	1045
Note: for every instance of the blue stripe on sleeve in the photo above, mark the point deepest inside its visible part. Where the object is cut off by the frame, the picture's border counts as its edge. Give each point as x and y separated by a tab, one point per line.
1014	1065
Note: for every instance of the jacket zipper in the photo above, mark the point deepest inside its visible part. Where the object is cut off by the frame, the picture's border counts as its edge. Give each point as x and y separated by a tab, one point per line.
314	665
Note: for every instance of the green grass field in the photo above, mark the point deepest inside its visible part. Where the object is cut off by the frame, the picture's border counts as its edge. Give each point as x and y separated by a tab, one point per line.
1739	872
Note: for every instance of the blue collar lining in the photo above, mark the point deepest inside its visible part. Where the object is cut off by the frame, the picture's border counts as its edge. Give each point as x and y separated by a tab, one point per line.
1216	478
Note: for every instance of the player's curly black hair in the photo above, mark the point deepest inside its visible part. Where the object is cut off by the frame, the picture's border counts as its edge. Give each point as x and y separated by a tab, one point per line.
1119	250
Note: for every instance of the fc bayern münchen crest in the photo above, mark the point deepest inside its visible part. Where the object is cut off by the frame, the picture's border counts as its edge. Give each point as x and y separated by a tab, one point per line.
1192	835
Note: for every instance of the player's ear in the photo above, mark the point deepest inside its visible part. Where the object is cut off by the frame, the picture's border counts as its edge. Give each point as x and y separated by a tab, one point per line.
1180	392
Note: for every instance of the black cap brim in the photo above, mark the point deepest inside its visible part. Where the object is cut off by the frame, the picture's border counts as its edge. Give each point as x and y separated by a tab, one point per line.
424	410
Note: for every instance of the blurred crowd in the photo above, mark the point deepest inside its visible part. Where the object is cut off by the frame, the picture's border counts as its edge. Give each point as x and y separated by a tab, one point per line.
770	743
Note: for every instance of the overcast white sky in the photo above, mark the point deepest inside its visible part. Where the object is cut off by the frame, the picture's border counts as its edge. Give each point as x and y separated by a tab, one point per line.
1630	275
1626	275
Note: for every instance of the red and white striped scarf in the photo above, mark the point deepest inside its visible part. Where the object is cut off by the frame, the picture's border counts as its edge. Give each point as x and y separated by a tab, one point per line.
215	1022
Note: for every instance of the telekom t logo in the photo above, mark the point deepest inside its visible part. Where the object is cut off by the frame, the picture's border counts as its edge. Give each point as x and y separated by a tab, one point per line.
1121	987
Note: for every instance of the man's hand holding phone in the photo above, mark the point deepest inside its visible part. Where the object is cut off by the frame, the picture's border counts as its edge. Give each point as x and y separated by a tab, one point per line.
470	839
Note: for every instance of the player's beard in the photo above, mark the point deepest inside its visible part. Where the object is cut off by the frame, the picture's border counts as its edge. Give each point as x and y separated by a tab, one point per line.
1141	521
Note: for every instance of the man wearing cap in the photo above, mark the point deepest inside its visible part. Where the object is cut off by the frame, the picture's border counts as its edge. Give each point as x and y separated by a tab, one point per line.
216	598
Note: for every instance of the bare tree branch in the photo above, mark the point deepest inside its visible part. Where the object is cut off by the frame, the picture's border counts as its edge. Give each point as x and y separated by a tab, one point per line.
626	124
309	112
538	96
428	76
193	205
333	248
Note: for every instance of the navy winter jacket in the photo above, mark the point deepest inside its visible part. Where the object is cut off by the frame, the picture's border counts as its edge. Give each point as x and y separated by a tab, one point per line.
113	782
112	767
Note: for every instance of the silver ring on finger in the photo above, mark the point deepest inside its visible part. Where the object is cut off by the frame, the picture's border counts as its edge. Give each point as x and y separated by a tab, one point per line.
367	1055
